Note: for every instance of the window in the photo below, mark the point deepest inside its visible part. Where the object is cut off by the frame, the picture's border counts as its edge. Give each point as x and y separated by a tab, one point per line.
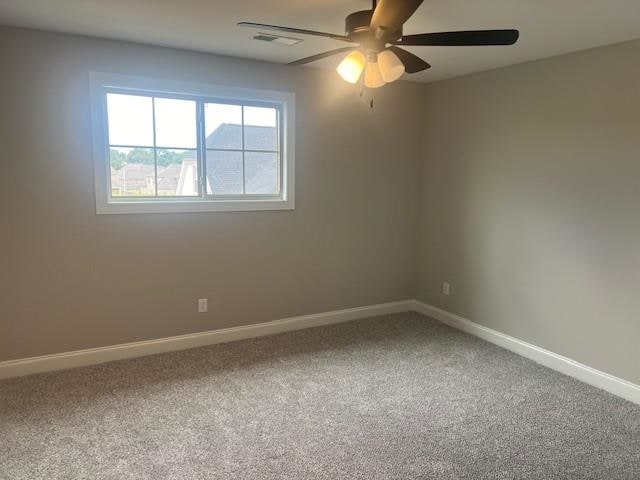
163	146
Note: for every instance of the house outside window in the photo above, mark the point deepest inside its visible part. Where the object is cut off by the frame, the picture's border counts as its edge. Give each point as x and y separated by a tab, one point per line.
164	146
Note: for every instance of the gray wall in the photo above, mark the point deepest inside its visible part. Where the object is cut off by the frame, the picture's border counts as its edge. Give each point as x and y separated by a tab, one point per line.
71	279
531	204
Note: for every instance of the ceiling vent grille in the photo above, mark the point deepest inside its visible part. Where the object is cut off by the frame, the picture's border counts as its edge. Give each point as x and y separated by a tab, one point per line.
280	40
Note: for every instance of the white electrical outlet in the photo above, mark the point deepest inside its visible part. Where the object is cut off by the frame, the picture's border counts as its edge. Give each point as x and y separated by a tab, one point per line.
202	305
446	288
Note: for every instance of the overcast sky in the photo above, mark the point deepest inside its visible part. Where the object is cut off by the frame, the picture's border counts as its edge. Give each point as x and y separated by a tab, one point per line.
131	120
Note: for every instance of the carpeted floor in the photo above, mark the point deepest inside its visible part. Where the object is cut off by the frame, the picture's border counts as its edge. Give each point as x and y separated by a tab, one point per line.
396	397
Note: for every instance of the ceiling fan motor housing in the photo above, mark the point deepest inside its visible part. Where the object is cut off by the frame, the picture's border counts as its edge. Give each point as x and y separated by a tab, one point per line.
357	30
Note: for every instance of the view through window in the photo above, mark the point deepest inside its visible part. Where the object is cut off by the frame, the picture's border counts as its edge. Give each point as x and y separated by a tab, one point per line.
178	147
242	149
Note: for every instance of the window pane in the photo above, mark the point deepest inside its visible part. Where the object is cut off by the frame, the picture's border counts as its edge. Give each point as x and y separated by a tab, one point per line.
177	173
260	128
132	172
224	172
223	126
175	123
130	120
261	172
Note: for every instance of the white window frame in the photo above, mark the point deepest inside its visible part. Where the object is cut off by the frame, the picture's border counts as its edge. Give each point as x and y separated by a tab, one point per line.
102	83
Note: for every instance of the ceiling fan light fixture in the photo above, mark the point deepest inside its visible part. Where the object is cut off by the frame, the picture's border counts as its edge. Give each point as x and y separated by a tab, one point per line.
372	30
390	66
373	75
352	66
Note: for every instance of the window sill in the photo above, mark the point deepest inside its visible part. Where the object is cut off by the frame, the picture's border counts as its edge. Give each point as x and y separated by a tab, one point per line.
193	206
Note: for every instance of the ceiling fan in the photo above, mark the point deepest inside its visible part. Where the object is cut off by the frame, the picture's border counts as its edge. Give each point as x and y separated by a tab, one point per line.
378	33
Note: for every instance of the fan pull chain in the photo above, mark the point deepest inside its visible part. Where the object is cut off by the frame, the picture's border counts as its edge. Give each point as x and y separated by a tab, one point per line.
362	91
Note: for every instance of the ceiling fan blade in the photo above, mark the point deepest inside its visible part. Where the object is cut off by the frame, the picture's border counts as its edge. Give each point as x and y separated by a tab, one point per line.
462	39
390	15
412	63
320	56
293	30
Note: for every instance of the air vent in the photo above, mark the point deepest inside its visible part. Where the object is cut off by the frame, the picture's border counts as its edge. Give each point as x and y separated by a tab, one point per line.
280	40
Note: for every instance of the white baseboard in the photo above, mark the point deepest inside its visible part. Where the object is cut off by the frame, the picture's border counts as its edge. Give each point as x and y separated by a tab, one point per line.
596	378
92	356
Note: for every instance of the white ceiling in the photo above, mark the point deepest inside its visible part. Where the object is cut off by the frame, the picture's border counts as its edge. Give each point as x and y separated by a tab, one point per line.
548	27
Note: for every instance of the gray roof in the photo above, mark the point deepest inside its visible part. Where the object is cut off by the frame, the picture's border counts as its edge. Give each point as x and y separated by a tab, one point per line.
134	174
168	177
224	169
229	136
